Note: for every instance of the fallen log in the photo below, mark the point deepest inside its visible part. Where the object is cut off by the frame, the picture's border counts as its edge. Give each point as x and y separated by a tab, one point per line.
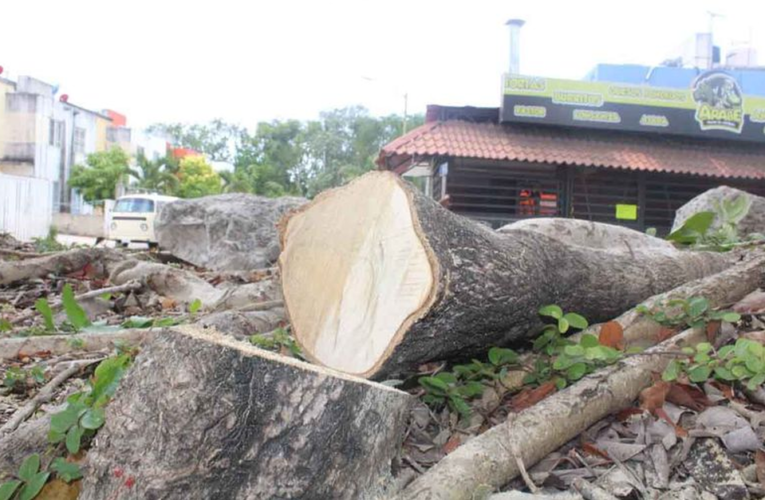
204	416
721	290
30	437
542	428
57	263
18	347
378	279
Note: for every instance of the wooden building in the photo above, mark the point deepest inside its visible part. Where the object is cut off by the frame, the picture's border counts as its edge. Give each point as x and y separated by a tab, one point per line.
484	165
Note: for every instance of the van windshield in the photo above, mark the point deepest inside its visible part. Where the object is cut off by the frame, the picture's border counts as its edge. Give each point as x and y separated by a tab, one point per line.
133	205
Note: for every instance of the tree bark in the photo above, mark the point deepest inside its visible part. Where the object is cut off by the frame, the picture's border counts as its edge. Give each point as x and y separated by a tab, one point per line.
57	263
204	416
378	279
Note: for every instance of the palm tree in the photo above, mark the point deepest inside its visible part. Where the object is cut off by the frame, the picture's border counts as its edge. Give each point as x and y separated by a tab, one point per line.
154	175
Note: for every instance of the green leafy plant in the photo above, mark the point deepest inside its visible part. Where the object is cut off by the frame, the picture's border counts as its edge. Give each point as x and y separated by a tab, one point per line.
44	309
84	413
693	313
66	471
30	480
698	231
278	341
144	322
579	359
445	387
14	376
551	339
50	243
195	306
17	377
742	362
500	360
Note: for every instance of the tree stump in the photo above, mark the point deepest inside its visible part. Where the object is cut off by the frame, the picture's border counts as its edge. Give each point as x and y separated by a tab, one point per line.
204	416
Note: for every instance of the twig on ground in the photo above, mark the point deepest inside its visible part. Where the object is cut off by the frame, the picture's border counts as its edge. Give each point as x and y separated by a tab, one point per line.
45	394
591	492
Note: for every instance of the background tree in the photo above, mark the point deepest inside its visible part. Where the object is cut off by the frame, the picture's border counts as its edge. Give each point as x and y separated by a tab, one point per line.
97	180
217	139
197	178
155	175
293	157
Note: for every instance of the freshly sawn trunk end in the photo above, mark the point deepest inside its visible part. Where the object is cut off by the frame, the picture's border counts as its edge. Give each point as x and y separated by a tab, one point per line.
378	278
202	416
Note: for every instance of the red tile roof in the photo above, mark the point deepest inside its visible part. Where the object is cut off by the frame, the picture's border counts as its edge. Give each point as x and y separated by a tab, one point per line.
594	148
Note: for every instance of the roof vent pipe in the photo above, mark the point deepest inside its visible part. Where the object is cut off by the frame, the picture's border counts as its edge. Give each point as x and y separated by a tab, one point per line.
515	26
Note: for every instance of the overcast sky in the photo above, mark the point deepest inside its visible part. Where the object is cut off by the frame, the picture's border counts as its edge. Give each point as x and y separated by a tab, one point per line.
247	61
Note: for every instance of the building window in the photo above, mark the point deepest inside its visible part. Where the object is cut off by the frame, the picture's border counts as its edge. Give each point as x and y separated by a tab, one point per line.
55	133
79	140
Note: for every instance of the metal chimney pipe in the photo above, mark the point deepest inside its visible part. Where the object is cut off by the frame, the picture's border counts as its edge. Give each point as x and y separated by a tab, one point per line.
515	26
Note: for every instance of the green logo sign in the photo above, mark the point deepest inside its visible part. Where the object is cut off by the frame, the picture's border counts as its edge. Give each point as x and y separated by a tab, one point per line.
719	102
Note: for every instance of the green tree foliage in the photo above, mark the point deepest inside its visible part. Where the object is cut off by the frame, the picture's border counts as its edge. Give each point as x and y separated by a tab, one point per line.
197	178
293	157
156	175
217	139
98	179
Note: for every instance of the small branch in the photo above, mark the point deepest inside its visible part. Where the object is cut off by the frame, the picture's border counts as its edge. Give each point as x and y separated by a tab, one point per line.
261	306
591	492
126	287
45	394
22	255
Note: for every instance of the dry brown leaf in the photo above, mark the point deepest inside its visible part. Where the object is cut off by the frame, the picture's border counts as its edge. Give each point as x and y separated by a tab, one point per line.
612	335
652	398
665	333
688	396
726	390
59	490
530	397
759	460
591	449
168	303
628	413
452	444
713	328
679	431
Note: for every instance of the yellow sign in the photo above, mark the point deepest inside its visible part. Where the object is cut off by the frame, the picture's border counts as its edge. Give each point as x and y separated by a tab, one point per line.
626	212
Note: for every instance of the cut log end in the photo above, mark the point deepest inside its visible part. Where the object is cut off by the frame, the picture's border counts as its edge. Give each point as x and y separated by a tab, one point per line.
355	279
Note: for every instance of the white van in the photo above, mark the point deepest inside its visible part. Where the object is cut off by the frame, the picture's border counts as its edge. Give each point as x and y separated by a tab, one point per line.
132	218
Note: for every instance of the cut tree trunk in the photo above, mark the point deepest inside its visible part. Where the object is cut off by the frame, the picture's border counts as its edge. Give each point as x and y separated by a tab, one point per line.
204	416
378	279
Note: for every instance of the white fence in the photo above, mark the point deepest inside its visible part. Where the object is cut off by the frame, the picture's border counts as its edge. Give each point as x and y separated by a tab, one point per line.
25	206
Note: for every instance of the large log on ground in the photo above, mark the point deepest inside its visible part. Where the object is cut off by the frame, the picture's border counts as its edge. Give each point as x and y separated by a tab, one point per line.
202	416
378	278
225	232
